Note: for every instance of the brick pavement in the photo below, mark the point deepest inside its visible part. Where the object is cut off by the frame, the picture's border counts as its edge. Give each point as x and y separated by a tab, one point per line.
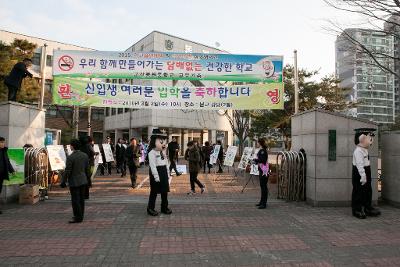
219	228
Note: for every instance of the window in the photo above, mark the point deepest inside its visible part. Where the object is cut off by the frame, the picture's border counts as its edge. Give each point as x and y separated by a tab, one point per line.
49	60
36	59
97	114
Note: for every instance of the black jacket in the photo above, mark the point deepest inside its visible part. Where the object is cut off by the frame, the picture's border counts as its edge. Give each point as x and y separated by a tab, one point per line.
120	152
172	147
17	74
77	171
132	155
262	156
5	165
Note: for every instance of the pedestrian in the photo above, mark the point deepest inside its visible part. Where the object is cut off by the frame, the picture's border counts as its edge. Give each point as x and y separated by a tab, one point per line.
361	198
120	157
173	148
76	175
158	172
193	157
14	80
220	156
5	165
207	151
109	164
263	169
87	148
132	156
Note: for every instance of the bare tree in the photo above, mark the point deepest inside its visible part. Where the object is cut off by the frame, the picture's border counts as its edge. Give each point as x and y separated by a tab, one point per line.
240	124
381	16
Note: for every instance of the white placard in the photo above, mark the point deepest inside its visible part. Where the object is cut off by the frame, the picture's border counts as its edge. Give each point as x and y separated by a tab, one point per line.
254	169
230	156
181	169
244	160
57	157
96	149
254	154
108	154
214	155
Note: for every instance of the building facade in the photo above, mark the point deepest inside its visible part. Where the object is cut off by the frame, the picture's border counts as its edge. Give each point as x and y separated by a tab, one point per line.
371	87
392	27
59	119
185	125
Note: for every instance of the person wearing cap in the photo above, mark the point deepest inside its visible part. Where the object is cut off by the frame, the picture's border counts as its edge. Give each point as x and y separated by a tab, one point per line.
158	172
14	80
361	198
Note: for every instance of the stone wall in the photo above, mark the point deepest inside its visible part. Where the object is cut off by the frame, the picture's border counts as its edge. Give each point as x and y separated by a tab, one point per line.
390	167
328	183
21	124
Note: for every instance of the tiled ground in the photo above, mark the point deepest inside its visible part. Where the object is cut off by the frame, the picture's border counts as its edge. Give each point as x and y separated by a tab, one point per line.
219	228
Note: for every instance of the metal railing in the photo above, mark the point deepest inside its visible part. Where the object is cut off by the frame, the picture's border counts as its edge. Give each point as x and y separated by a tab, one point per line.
37	167
291	175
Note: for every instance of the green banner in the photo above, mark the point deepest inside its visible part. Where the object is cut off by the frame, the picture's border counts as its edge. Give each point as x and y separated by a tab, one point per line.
17	160
71	91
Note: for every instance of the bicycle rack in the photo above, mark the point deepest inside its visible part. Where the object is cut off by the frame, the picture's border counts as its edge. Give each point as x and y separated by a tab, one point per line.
291	173
37	167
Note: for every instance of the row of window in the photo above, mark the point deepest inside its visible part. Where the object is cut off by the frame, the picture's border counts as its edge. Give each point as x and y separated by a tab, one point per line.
37	58
67	112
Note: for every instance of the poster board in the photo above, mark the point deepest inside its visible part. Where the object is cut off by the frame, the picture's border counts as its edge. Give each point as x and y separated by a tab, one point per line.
108	154
230	156
17	160
254	167
57	157
96	149
182	169
244	160
214	155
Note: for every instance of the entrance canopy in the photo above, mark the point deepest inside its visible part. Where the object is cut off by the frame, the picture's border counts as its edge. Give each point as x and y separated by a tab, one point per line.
79	76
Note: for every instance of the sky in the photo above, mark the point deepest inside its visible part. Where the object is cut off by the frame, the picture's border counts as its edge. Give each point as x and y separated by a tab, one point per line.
260	27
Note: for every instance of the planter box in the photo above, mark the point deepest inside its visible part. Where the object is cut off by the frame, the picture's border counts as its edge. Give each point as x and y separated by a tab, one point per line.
28	194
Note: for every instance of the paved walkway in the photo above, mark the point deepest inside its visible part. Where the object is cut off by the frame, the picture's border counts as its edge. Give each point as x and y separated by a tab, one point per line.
219	228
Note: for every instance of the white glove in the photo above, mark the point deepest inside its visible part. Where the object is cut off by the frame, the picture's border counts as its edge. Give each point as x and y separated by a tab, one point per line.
363	180
157	179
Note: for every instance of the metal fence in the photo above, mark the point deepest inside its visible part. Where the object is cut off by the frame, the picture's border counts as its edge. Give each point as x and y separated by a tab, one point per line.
291	175
37	167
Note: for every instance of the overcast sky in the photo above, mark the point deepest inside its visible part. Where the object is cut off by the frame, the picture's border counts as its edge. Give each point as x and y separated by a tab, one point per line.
262	27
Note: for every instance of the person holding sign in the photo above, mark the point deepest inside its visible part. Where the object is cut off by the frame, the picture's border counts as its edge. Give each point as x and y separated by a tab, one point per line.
263	168
77	174
5	164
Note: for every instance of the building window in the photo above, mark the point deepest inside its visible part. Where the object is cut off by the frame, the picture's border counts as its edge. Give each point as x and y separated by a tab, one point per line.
36	59
97	114
49	61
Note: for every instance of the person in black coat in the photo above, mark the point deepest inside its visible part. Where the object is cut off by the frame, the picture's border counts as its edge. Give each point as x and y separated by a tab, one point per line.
220	157
76	175
263	169
14	80
173	148
132	155
120	150
5	164
87	148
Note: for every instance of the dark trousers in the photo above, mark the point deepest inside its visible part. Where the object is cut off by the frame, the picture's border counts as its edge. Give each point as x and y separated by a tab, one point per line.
362	194
104	166
122	167
133	173
78	201
264	188
220	165
172	165
207	164
12	93
153	197
194	180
